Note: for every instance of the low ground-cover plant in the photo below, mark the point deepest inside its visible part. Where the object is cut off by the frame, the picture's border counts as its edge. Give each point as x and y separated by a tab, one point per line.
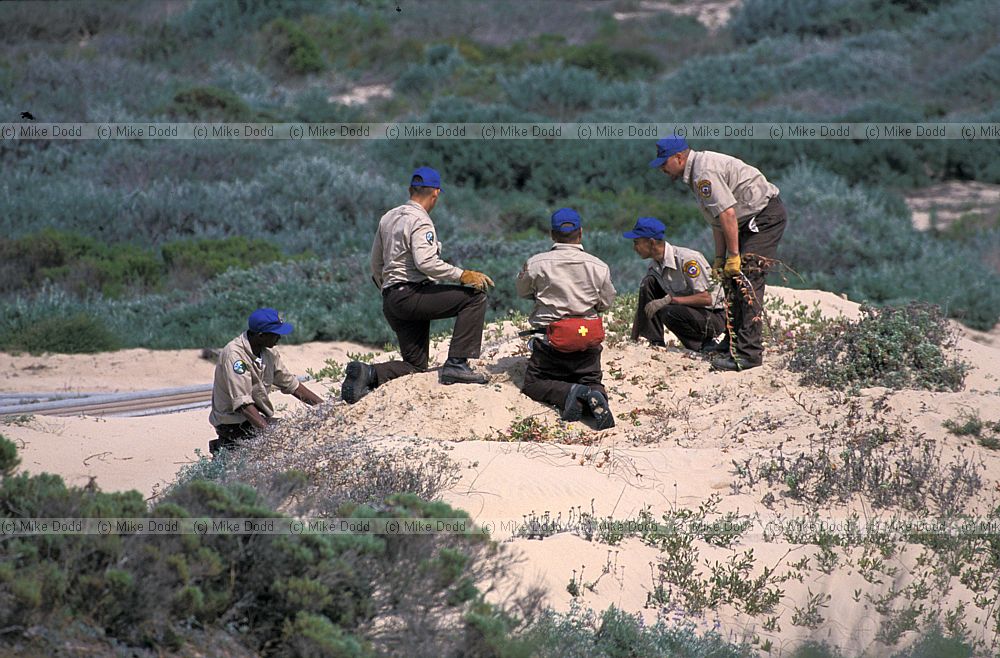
866	453
583	633
969	423
895	347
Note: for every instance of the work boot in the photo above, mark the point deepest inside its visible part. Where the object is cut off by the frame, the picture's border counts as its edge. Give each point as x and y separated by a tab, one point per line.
716	345
573	406
457	371
358	382
730	363
599	409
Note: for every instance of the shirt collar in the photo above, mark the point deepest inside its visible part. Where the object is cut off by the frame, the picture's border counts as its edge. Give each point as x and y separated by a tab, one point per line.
669	258
689	167
249	350
419	208
245	340
563	245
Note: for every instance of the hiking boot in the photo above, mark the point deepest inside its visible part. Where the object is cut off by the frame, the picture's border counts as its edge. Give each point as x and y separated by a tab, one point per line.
717	345
458	371
573	406
730	363
358	382
599	409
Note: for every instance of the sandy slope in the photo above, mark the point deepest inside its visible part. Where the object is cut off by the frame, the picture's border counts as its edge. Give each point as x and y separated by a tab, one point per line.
679	431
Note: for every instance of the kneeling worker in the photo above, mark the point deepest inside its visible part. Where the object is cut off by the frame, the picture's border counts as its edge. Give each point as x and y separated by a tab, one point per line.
407	266
569	287
247	369
676	294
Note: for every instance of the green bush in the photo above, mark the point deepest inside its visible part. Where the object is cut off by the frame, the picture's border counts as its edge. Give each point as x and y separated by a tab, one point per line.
293	48
74	334
613	62
549	171
871	252
311	594
441	61
208	258
583	633
83	264
563	91
86	267
757	19
897	348
230	19
210	103
66	21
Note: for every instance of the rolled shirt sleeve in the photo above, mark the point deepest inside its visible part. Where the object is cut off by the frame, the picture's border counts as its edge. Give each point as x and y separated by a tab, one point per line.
236	388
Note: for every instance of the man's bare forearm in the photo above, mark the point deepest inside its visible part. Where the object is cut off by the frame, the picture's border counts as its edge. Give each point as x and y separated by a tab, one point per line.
253	414
306	395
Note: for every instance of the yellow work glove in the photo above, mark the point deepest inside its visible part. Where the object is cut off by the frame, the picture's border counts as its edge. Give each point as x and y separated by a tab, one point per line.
717	266
732	267
477	280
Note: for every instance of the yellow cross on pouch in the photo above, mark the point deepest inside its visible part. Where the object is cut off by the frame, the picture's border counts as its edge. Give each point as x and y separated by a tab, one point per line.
582	331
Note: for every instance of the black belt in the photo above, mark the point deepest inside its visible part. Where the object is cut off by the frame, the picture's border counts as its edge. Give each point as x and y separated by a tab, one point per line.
405	284
530	332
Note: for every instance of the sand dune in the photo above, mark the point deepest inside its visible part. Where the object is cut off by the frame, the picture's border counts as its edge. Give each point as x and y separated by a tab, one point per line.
680	428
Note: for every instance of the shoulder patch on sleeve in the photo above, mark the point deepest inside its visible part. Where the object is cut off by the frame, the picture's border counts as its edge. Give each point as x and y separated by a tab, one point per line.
239	366
704	187
429	236
692	269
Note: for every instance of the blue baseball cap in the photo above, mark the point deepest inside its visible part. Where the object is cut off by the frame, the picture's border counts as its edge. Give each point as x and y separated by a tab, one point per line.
425	177
268	321
647	227
565	220
667	147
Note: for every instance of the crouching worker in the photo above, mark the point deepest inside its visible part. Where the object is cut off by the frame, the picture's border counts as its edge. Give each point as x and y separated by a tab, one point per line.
407	267
676	294
569	287
247	369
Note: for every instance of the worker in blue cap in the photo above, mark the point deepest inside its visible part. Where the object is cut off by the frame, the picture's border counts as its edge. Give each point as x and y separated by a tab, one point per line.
248	367
676	294
747	219
570	288
407	267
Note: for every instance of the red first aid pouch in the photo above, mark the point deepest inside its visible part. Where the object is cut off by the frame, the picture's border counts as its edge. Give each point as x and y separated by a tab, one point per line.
575	334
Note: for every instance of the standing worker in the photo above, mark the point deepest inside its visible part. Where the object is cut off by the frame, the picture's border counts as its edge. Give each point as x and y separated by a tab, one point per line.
569	287
406	265
747	219
676	295
247	369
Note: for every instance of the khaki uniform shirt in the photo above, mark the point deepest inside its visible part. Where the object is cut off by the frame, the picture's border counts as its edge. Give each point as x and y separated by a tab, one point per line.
721	182
684	272
565	281
406	249
242	379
